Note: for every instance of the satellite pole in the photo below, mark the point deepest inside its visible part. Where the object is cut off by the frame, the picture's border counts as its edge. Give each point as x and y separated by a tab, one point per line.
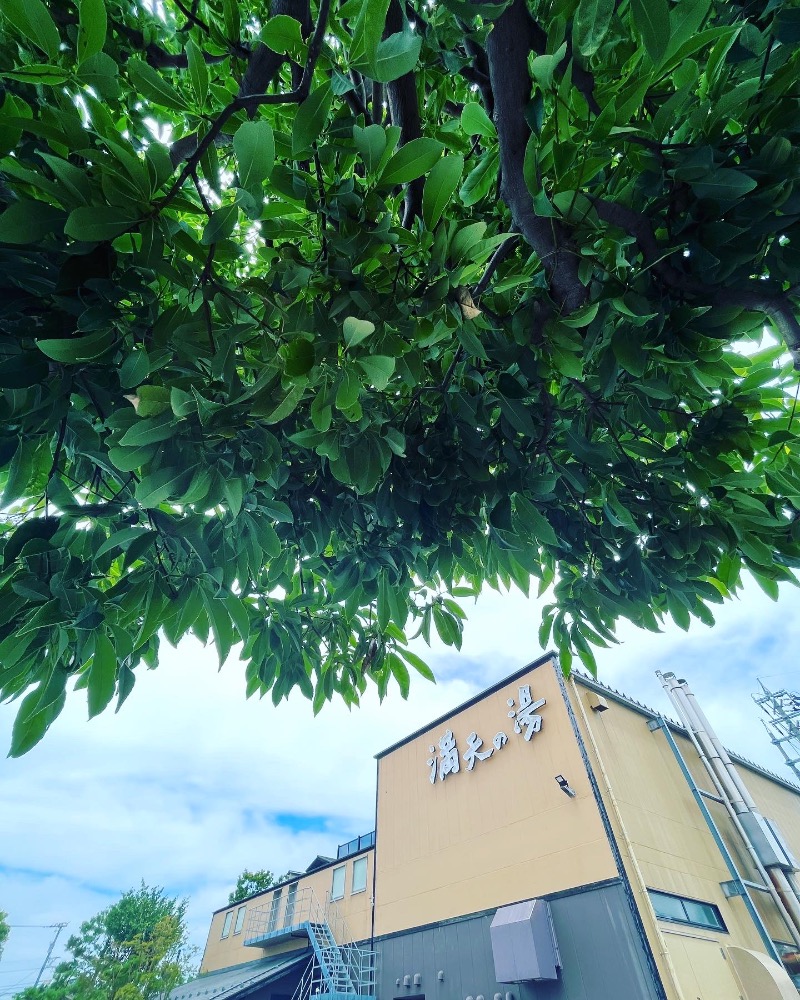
59	928
782	709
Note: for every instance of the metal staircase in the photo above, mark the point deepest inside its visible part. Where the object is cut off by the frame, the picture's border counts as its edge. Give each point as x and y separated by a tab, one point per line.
339	969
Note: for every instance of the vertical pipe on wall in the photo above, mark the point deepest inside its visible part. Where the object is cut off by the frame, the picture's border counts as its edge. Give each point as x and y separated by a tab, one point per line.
663	950
735	799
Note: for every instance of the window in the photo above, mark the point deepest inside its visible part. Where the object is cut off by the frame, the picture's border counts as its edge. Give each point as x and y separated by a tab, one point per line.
291	896
359	875
273	911
239	920
337	887
226	927
686	911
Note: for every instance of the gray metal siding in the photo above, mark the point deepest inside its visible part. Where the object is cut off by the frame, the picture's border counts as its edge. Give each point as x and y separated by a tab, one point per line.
600	950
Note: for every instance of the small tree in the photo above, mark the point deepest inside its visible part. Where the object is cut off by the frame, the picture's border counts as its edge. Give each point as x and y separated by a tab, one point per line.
5	930
249	883
136	949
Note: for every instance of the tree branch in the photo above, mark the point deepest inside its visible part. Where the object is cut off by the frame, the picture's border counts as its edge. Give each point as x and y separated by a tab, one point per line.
507	46
251	101
757	296
404	111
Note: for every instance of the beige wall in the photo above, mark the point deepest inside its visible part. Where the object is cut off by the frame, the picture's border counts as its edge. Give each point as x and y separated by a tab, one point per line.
355	909
500	833
669	843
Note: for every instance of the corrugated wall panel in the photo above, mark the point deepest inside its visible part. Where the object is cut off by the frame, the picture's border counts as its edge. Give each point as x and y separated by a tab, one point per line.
601	954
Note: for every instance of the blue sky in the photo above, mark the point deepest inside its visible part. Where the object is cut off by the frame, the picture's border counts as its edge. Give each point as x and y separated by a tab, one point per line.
191	783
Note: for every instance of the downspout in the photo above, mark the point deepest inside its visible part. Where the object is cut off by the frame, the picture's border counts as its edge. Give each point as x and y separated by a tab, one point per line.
730	790
663	950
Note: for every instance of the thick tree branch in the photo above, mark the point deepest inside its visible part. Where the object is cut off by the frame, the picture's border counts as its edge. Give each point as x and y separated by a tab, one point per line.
404	111
757	296
507	46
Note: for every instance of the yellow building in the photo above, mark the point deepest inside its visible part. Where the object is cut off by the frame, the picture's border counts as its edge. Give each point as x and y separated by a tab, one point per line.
549	838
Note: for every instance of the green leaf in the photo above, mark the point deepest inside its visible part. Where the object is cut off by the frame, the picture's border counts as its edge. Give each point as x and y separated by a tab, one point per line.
284	35
356	330
411	161
221	224
78	350
28	221
219	619
724	184
439	187
651	18
418	664
159	486
348	392
395	56
475	121
32	722
149	430
400	673
120	539
627	348
592	20
99	223
378	368
368	30
298	357
92	27
371	144
310	118
534	521
102	675
152	86
32	20
46	616
254	147
480	179
45	73
198	73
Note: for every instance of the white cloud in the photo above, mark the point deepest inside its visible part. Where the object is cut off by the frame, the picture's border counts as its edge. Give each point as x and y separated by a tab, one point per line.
183	786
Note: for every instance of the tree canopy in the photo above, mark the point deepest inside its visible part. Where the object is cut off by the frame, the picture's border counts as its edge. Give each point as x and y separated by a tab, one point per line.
316	317
5	930
136	949
249	883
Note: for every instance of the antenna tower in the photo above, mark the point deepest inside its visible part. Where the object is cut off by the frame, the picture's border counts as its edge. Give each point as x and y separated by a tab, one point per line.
782	709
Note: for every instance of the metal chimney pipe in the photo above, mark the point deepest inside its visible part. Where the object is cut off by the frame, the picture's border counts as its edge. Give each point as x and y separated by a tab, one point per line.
722	753
781	891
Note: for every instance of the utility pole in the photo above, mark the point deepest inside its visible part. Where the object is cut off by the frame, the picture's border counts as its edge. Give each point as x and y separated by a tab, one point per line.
782	709
59	928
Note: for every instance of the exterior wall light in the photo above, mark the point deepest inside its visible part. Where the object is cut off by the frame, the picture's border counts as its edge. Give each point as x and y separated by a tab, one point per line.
406	980
564	785
440	976
417	979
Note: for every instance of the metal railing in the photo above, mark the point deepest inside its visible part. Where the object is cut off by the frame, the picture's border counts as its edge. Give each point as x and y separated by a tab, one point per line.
342	966
354	846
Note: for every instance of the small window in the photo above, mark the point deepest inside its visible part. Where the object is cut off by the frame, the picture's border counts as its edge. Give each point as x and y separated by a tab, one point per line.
359	875
274	910
337	887
686	911
226	927
239	920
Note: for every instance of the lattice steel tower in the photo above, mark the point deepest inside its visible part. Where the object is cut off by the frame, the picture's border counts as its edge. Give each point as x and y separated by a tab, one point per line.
782	709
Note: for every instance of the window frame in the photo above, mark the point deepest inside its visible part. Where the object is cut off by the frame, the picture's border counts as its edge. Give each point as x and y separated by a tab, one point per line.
336	870
363	888
226	926
687	921
238	926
